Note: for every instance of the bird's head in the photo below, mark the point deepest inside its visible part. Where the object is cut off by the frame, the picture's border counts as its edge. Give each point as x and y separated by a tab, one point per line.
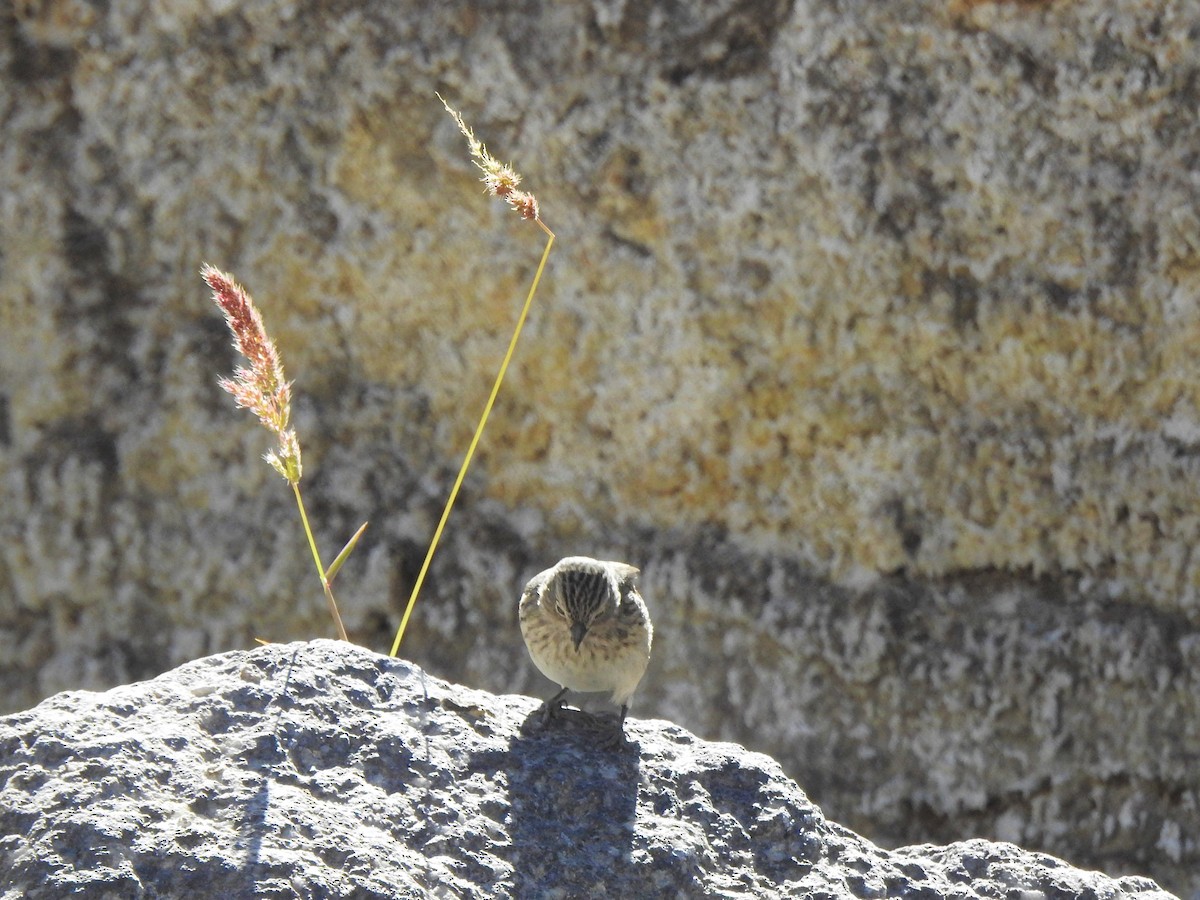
586	591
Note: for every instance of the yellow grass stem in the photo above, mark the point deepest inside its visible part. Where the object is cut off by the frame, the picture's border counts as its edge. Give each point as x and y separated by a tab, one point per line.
487	409
312	545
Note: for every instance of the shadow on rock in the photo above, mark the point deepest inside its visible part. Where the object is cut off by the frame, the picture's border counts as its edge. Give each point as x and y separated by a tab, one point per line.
573	804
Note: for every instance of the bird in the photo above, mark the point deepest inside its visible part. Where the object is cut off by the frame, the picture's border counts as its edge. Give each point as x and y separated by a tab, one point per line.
587	629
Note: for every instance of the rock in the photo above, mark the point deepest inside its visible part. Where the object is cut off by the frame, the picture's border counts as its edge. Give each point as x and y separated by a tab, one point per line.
869	336
325	770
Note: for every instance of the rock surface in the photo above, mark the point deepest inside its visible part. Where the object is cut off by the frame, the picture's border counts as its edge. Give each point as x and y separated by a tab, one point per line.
325	770
869	335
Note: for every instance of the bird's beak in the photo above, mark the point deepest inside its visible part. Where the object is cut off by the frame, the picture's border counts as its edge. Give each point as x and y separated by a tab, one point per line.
578	630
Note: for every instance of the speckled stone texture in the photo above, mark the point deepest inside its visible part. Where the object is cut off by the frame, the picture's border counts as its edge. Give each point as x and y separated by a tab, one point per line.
325	770
870	336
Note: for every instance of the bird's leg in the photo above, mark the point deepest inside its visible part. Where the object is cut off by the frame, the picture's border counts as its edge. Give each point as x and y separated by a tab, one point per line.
613	737
553	707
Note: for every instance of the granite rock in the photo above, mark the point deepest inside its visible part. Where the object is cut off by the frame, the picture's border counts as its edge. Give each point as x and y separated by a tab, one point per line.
869	335
325	770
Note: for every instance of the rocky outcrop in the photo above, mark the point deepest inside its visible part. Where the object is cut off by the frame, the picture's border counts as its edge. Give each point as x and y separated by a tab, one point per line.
324	770
869	336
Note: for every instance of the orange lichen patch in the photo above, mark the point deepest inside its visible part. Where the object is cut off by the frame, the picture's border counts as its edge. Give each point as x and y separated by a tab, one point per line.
57	22
980	14
956	7
624	201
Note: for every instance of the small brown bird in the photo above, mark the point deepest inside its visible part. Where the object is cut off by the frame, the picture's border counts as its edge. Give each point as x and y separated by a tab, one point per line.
587	628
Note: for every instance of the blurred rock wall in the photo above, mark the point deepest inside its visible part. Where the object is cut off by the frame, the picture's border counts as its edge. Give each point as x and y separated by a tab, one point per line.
869	335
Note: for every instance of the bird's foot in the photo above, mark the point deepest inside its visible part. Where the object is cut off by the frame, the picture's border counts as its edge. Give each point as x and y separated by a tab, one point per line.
552	708
610	731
